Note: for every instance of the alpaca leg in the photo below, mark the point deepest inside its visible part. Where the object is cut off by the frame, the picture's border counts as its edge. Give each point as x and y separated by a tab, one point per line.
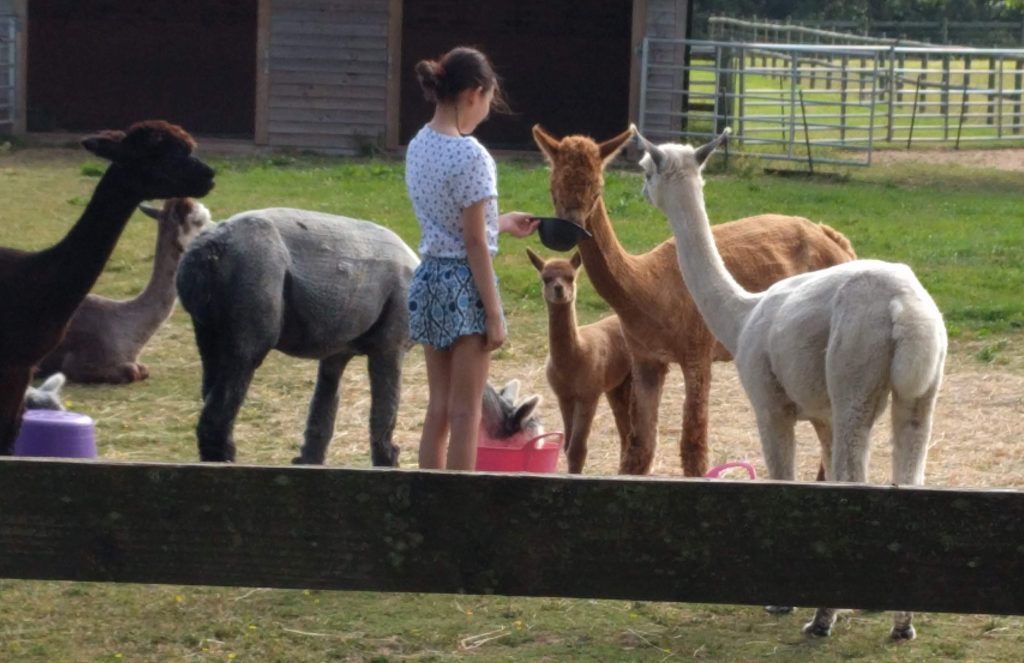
323	409
583	412
226	391
13	383
693	447
823	430
648	381
821	625
385	368
911	428
620	401
778	444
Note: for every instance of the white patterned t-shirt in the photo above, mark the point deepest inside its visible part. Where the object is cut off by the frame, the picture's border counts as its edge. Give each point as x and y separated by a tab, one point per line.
445	175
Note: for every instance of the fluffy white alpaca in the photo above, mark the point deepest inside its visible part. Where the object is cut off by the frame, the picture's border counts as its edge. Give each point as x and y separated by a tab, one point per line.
828	346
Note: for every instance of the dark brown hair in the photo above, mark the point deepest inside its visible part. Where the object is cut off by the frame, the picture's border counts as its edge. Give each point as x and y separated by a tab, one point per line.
462	68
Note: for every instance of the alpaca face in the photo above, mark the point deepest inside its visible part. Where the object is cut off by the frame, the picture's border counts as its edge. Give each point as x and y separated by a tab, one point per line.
577	171
154	159
558	277
673	163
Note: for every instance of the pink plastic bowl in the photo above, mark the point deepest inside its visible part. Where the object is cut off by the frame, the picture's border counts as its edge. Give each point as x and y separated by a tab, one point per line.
56	433
716	471
539	454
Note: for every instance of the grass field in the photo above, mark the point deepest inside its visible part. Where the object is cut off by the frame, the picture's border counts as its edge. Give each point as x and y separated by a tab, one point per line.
962	230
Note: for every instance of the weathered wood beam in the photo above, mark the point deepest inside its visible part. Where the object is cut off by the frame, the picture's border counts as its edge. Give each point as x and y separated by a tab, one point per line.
652	539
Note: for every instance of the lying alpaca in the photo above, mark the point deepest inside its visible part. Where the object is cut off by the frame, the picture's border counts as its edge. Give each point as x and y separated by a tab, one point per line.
311	285
47	395
105	336
39	292
828	346
583	362
659	319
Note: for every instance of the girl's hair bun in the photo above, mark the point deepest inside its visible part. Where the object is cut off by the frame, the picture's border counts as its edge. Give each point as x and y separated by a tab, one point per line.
431	77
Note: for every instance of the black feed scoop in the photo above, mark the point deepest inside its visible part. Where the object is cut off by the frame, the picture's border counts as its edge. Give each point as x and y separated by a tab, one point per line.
560	234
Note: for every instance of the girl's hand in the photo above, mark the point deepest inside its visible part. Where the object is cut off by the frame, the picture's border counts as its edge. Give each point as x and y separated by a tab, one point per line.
517	224
495	333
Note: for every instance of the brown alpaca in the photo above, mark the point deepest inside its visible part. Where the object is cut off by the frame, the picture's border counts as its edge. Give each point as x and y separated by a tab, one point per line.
39	292
583	362
105	336
659	318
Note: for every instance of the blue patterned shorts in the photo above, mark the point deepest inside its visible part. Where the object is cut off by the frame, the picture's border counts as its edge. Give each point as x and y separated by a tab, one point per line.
444	303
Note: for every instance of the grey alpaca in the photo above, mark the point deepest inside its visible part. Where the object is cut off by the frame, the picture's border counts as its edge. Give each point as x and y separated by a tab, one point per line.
312	285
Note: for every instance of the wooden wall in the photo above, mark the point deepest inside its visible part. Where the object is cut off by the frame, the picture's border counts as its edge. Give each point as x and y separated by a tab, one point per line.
665	19
327	74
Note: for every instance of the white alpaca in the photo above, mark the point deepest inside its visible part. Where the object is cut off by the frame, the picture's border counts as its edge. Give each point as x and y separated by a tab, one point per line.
826	346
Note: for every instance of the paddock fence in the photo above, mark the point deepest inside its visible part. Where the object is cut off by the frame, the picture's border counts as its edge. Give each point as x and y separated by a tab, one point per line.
829	104
8	66
632	538
1009	34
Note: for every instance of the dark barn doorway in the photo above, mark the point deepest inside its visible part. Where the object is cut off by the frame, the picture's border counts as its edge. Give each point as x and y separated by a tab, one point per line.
94	65
565	65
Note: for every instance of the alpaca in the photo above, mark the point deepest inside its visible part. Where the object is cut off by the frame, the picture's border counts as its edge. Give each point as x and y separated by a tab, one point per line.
829	346
105	337
47	395
502	418
311	285
659	319
583	362
39	292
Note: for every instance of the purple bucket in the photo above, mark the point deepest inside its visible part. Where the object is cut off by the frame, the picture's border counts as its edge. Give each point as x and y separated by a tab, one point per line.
57	433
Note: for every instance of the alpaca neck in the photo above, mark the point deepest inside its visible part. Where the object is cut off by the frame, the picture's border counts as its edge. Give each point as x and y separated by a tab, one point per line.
156	301
723	302
70	267
563	333
612	271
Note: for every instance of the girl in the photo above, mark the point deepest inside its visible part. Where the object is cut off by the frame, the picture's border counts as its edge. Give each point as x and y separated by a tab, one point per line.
454	308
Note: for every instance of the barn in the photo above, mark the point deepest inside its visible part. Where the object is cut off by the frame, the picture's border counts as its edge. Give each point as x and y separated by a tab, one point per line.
328	75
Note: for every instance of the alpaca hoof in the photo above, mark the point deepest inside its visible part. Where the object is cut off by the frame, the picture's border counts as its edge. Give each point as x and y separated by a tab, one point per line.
817	630
779	609
302	460
385	457
900	634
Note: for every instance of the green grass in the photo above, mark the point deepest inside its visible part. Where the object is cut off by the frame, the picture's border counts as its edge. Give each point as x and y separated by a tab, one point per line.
959	229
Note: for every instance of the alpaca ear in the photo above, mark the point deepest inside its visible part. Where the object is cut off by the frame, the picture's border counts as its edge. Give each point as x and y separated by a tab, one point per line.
523	411
537	261
106	144
547	143
613	146
657	155
704	151
510	391
53	383
150	211
576	260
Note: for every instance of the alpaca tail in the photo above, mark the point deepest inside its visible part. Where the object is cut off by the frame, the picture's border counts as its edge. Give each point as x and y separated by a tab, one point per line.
920	337
840	239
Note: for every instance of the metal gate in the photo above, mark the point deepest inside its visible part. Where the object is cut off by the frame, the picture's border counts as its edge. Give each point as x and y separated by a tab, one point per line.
829	104
8	71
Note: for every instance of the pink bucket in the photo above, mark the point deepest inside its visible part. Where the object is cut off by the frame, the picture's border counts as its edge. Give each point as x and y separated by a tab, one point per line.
539	454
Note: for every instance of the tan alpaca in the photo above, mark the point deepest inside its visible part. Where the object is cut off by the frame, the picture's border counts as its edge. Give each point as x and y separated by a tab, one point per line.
659	319
583	362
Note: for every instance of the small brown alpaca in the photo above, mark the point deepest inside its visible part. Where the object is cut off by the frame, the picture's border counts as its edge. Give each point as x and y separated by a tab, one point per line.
105	336
39	292
659	318
583	362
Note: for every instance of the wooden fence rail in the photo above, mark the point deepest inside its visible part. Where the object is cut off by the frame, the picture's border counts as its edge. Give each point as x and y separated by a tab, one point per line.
757	542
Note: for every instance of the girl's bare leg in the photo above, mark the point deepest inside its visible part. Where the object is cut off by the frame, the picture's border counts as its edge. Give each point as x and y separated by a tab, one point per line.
469	366
433	439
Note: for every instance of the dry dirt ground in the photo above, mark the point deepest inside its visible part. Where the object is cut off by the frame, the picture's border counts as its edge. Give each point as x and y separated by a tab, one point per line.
1002	159
976	440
